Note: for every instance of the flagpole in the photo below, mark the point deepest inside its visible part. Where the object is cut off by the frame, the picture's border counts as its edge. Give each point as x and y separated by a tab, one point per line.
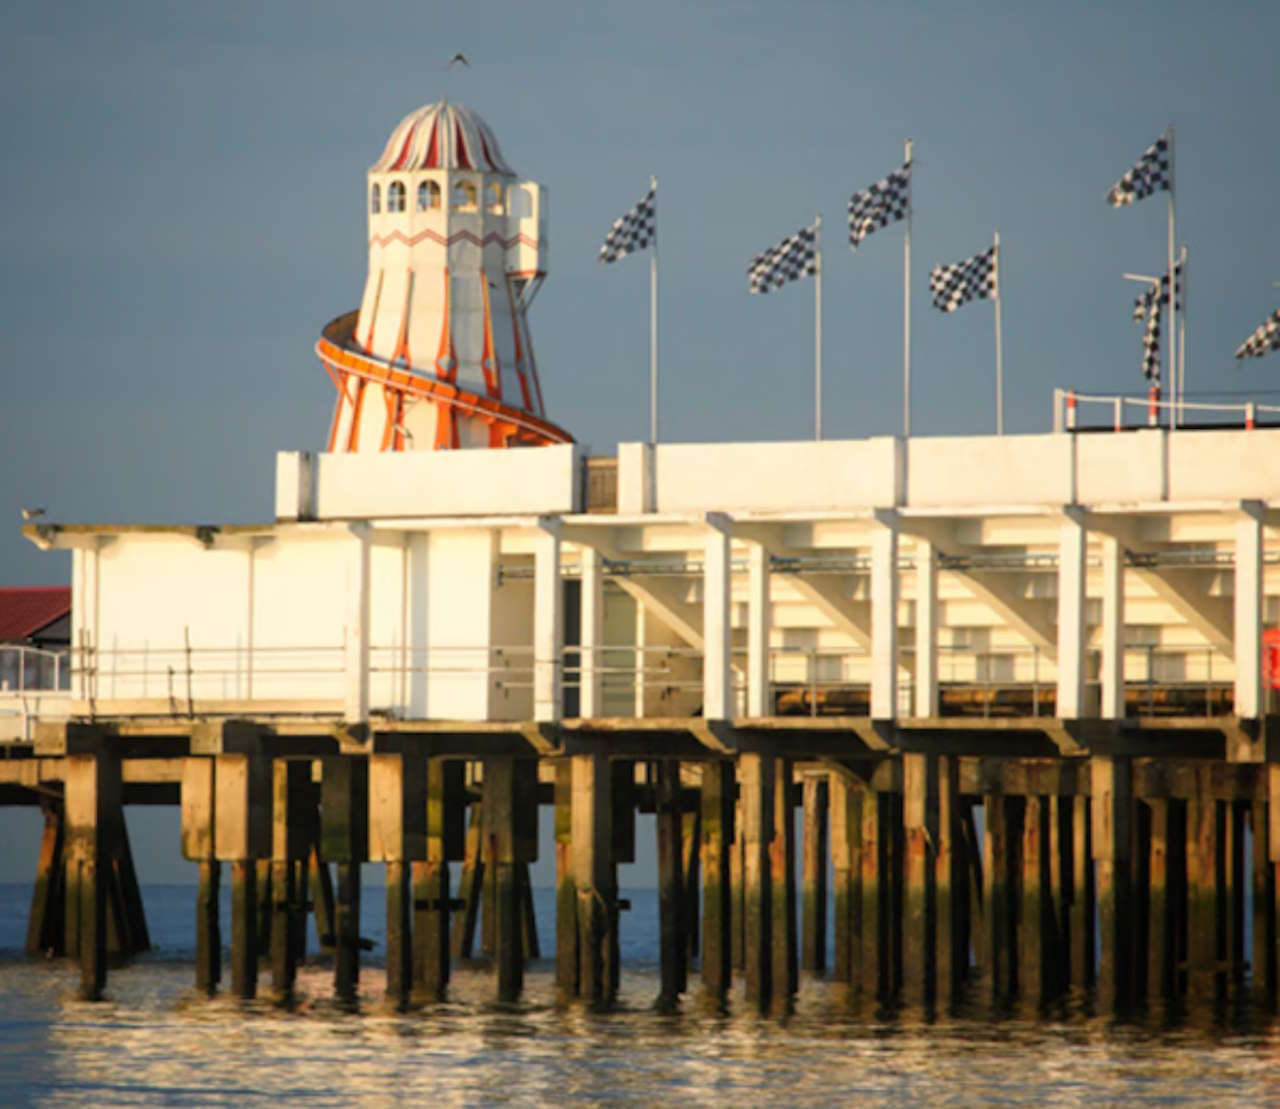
653	326
999	352
1173	284
1182	336
817	329
906	309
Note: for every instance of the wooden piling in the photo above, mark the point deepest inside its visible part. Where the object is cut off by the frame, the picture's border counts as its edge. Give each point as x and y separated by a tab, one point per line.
1080	938
566	889
93	793
45	929
292	833
691	881
737	890
1263	924
593	872
470	885
756	783
244	928
1159	930
429	874
920	835
1112	815
344	832
500	803
1035	939
995	896
846	871
243	802
197	799
717	839
671	939
951	951
815	803
875	958
785	971
1237	813
1201	894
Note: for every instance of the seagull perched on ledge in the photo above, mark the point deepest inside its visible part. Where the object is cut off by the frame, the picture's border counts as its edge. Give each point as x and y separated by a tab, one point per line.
32	513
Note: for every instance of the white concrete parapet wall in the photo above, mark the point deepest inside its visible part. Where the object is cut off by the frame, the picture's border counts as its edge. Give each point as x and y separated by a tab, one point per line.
346	486
1136	467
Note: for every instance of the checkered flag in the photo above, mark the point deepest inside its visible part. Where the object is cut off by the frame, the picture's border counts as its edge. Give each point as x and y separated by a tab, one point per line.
634	231
1150	307
1266	338
886	202
1152	173
1158	291
796	256
975	278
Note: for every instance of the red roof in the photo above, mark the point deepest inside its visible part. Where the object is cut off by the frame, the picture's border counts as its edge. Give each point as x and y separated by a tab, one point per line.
25	610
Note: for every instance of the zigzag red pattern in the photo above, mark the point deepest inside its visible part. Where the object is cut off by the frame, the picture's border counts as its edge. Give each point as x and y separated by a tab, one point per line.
458	236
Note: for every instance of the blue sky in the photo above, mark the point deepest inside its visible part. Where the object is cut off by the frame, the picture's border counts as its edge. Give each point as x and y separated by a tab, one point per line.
182	209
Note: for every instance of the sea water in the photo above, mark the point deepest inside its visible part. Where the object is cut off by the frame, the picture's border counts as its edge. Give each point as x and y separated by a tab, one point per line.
155	1041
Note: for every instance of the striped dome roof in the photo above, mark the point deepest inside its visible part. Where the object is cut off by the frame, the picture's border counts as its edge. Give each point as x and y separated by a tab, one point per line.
442	136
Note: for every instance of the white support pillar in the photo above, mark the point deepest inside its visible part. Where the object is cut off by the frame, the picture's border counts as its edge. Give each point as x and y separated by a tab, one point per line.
1112	629
926	629
759	696
884	617
641	641
548	623
1071	570
355	697
591	636
1248	611
717	690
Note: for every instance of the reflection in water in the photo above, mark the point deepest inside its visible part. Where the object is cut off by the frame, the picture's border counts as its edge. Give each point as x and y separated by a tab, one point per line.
156	1042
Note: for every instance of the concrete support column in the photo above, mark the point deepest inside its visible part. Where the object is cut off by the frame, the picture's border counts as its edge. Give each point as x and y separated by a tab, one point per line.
813	955
717	837
926	629
884	617
548	624
591	636
717	688
1248	612
593	876
1035	938
759	694
355	697
1080	913
344	839
95	821
1112	814
1202	891
951	956
1112	629
756	781
1072	543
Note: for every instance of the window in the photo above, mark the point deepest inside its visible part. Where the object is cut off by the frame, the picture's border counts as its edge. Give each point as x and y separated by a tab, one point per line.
495	196
375	200
464	196
395	196
428	196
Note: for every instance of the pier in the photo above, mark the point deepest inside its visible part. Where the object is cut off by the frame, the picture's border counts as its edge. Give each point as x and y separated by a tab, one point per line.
1002	702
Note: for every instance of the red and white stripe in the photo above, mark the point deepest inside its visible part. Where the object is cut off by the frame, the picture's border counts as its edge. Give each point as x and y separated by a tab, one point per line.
442	136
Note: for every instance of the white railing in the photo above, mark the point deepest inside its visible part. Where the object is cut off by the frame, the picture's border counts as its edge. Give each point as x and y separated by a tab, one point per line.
1068	402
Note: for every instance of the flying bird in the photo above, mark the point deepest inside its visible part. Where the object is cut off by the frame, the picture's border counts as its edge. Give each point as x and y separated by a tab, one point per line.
32	513
459	57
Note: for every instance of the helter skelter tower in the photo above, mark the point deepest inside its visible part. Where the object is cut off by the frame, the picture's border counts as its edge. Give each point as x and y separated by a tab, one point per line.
439	356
